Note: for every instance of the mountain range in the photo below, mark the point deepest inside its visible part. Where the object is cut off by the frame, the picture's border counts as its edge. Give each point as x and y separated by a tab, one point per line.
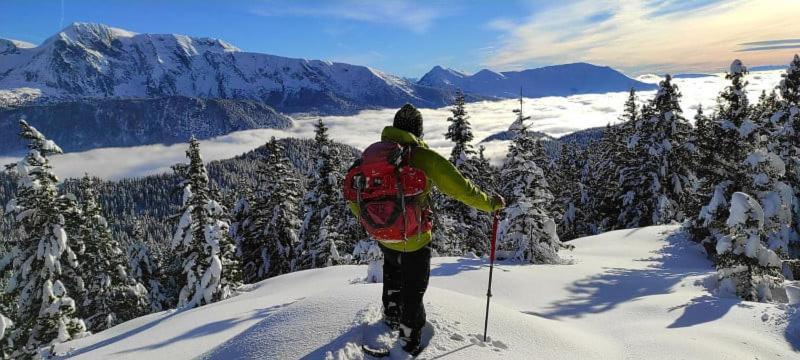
558	80
98	61
92	85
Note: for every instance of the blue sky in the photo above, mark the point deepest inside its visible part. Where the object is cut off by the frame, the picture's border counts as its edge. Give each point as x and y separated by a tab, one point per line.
407	37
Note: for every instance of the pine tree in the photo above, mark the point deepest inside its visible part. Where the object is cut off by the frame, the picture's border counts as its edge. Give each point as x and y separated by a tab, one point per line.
657	180
604	167
470	227
245	235
790	82
112	296
43	313
572	194
201	239
443	242
745	267
368	252
527	233
147	269
460	132
328	229
734	137
706	171
786	135
277	214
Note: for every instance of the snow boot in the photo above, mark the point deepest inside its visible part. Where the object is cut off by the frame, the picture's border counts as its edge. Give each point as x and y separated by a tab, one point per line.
411	340
392	322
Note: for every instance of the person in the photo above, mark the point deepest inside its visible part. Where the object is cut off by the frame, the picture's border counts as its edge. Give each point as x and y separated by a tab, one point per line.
406	266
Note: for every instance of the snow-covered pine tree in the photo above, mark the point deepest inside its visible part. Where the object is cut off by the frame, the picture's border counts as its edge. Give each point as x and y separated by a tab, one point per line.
658	181
706	150
277	214
734	137
146	269
604	169
201	239
244	232
786	135
706	172
43	313
112	296
790	82
470	230
443	243
460	132
571	192
368	252
527	232
768	104
328	229
745	267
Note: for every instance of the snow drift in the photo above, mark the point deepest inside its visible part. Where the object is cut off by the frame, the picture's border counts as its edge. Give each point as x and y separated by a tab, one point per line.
635	294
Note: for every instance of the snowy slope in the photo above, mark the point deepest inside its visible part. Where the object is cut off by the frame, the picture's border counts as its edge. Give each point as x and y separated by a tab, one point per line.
558	80
94	60
630	294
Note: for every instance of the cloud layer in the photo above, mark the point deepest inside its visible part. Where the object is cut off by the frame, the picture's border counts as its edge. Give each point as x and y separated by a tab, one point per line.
556	116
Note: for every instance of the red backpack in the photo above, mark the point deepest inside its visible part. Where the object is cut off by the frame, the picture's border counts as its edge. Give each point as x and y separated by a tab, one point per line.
386	190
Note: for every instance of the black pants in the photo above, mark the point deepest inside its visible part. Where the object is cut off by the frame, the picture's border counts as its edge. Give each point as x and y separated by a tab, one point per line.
405	279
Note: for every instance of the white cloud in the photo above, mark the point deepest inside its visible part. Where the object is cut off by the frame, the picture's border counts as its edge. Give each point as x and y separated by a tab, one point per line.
555	116
658	36
410	15
501	24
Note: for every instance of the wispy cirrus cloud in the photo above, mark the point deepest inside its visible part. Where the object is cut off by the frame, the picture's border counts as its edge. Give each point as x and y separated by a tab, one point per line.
414	16
770	45
771	42
649	36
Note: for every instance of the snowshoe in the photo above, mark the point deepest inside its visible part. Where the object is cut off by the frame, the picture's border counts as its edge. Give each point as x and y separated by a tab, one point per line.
377	339
375	351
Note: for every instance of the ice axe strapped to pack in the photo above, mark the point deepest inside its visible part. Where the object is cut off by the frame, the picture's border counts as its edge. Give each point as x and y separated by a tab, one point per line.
386	190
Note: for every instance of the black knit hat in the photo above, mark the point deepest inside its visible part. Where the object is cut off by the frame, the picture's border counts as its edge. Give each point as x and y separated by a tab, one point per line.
408	118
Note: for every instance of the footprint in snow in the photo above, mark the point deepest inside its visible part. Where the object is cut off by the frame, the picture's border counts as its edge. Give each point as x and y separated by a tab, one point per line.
495	345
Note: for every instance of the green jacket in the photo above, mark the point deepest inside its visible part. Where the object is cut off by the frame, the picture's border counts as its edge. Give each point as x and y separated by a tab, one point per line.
441	173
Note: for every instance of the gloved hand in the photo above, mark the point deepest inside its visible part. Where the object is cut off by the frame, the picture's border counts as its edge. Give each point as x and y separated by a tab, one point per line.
498	203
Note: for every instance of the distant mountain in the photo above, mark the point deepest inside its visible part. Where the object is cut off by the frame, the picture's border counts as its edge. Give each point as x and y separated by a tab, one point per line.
582	138
767	67
511	135
691	76
84	124
558	80
98	61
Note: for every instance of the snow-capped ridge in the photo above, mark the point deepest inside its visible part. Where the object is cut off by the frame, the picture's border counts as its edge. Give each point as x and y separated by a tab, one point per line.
97	61
555	80
486	74
10	45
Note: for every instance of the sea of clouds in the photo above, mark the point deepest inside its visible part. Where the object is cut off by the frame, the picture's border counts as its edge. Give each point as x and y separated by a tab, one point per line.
555	116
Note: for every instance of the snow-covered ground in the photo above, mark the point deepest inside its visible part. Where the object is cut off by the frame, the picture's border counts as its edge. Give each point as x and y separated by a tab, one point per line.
555	116
630	294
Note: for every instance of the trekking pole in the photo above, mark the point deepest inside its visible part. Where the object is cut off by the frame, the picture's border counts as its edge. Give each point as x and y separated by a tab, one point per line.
491	268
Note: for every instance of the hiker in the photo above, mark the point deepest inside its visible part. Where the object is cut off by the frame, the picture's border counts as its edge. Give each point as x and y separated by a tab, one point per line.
402	224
